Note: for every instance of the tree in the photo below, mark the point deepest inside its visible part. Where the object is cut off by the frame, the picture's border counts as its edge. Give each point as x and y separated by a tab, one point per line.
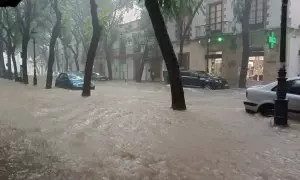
25	24
11	28
183	13
162	36
145	24
30	16
66	36
55	34
2	65
75	50
111	16
241	11
57	58
92	50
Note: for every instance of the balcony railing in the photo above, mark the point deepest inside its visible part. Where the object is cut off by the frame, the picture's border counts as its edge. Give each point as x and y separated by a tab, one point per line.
227	28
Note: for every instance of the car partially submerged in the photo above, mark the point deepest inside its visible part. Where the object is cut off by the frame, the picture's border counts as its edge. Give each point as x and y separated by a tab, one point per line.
71	80
200	79
261	98
99	77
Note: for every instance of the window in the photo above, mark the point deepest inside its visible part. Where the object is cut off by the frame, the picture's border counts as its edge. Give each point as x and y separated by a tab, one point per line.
295	88
63	76
185	60
184	73
257	12
215	16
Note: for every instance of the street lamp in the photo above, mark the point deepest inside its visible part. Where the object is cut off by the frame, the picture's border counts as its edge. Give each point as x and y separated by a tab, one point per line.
34	59
207	46
281	102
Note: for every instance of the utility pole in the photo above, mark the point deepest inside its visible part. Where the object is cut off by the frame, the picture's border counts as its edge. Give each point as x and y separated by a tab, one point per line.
281	102
34	64
207	47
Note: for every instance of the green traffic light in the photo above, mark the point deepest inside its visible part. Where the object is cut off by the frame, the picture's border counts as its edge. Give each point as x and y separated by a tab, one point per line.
220	39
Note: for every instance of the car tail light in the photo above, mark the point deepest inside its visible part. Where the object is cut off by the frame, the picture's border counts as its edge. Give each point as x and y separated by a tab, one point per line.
246	93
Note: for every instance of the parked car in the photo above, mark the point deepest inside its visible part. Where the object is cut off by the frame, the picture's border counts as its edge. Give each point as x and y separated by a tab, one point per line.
71	80
200	79
261	98
99	77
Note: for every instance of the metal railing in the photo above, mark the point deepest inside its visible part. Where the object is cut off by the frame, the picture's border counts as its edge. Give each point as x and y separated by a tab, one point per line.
227	28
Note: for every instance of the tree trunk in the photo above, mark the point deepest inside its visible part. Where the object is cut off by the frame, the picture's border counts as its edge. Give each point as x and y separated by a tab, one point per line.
92	50
2	64
67	58
181	43
76	62
57	57
25	39
143	60
108	53
180	54
54	36
246	45
14	63
75	54
9	71
162	36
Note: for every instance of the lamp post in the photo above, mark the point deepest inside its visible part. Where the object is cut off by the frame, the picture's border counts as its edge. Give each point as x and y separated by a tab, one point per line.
207	29
34	61
281	102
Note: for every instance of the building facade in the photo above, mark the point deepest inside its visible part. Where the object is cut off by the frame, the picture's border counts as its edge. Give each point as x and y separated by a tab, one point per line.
215	42
127	55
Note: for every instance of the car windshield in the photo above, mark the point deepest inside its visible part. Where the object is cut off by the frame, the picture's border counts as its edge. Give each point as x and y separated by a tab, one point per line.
75	76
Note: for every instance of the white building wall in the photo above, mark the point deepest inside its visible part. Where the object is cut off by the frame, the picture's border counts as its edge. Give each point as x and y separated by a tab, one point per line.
293	47
130	69
146	73
274	14
294	13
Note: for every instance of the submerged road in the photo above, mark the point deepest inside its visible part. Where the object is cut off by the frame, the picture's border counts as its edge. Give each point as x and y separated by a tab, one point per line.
126	131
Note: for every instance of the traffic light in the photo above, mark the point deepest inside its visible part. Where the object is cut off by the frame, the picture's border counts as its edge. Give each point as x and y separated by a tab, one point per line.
220	39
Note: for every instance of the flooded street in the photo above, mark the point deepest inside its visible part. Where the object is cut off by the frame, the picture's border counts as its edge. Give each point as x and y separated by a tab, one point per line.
127	131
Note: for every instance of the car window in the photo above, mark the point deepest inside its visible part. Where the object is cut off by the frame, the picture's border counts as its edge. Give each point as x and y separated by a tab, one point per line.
295	88
59	77
202	75
75	76
193	74
62	76
184	73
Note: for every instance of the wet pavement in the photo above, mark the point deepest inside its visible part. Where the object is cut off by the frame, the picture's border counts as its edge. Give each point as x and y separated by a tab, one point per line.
126	131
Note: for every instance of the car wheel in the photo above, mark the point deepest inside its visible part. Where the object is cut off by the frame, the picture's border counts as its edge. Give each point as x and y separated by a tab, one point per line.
267	110
249	111
207	87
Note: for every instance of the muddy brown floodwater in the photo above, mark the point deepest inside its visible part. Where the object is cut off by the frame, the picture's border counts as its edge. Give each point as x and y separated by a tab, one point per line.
128	132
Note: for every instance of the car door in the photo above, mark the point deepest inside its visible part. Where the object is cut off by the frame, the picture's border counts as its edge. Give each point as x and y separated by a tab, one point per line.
59	80
195	80
294	96
185	78
64	81
203	79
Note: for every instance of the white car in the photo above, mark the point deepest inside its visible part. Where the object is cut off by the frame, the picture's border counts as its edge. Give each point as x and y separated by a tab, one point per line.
261	98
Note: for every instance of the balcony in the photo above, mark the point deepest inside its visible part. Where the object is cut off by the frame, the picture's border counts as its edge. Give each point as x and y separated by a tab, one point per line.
227	28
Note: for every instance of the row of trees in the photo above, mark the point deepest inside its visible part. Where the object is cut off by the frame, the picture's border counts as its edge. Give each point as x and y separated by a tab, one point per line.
76	27
70	24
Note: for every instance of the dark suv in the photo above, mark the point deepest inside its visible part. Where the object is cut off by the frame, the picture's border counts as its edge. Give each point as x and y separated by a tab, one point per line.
200	79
